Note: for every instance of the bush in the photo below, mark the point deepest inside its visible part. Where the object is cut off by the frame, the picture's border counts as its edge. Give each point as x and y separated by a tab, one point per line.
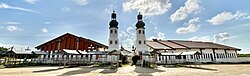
2	66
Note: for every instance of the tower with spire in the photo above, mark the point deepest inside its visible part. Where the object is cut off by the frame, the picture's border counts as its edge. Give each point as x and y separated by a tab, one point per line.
140	42
113	33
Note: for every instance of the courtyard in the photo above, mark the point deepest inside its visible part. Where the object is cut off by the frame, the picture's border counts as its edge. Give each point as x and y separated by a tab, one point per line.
204	70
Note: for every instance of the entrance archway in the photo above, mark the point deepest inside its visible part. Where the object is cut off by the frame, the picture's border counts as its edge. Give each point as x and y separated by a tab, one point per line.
135	59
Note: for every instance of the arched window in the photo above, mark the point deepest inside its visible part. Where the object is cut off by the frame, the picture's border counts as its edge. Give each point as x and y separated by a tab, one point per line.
140	42
116	31
139	31
116	42
110	42
111	31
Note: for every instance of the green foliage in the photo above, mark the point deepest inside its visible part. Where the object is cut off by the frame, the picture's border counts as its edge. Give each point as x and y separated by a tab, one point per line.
3	49
2	67
243	55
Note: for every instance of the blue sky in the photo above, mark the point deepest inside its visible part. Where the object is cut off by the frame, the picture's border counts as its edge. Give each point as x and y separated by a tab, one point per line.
26	23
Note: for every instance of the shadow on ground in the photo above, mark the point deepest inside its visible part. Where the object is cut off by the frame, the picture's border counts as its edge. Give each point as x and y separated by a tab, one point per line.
47	70
203	68
84	69
107	71
143	71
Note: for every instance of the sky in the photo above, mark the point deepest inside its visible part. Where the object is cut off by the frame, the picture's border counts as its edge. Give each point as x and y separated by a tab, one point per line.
29	23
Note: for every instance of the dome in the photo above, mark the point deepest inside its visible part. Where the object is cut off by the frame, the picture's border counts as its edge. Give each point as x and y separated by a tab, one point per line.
113	23
140	24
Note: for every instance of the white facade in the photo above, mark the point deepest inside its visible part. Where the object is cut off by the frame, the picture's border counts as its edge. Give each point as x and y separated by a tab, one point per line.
113	34
140	42
113	39
219	55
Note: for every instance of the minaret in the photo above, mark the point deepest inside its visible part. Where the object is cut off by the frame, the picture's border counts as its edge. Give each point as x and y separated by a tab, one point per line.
140	42
113	33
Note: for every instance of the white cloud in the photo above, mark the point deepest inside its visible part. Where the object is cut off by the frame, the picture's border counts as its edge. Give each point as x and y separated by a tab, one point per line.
127	37
16	46
131	30
184	30
5	6
31	1
11	23
65	9
194	20
159	35
47	23
13	28
247	17
45	30
192	27
218	38
147	7
190	6
81	2
225	16
221	37
203	39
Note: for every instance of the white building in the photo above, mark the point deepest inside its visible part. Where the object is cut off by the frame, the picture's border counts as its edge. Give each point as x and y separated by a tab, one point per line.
140	43
168	51
184	51
113	37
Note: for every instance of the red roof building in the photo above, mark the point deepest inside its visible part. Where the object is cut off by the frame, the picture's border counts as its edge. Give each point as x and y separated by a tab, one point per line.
71	42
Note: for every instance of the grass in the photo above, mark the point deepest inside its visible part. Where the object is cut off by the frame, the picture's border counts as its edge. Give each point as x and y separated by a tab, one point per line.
243	55
2	66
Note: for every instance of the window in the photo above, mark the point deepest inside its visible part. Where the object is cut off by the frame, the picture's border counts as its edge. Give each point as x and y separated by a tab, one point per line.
110	42
159	58
217	55
116	31
116	42
111	31
139	31
178	57
191	56
144	41
143	32
184	56
140	42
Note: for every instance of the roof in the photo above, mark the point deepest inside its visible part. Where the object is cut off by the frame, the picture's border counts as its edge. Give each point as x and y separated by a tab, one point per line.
181	44
170	54
18	52
91	41
190	53
97	53
157	45
82	52
70	51
39	53
2	52
205	45
172	45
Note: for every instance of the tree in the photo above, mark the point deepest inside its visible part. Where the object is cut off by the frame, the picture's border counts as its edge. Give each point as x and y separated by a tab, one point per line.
3	49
